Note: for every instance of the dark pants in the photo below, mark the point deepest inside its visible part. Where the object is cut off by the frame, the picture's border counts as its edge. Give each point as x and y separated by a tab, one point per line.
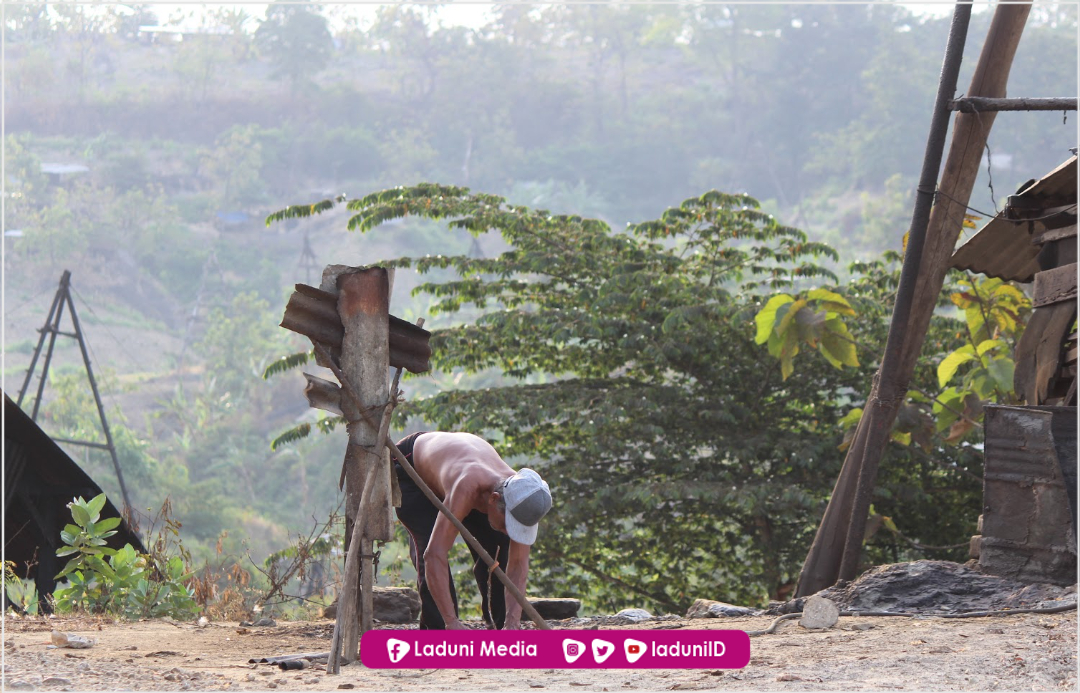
418	515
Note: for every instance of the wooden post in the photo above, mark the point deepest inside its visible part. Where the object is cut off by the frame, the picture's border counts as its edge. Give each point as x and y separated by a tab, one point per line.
837	545
363	305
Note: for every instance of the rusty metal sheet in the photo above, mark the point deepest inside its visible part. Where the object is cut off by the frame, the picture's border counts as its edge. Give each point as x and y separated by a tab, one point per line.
313	313
1003	248
1028	510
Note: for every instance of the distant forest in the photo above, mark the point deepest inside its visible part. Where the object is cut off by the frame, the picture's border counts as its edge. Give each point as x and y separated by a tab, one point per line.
143	152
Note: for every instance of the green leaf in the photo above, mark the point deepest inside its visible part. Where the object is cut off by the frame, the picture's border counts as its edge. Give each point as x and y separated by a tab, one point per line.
79	514
107	524
852	418
1002	371
286	363
785	319
839	343
291	436
948	366
788	352
987	345
95	505
831	301
766	317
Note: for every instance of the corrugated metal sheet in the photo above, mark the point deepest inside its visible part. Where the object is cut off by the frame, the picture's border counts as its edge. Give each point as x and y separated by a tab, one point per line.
313	313
1003	247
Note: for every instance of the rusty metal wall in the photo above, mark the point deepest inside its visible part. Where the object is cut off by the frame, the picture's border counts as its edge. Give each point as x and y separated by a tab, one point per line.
1028	510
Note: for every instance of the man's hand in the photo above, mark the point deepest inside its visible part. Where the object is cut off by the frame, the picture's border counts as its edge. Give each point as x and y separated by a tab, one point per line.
456	625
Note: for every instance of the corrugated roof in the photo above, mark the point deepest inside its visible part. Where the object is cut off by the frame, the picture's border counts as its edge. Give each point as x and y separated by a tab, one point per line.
1003	247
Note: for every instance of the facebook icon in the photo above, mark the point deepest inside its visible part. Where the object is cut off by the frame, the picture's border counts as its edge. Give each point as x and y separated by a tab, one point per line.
397	649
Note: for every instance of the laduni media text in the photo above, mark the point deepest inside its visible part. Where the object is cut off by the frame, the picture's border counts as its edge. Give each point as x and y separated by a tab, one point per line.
474	648
562	649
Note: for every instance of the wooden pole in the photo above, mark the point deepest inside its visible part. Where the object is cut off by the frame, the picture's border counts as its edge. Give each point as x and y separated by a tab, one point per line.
837	546
977	104
363	305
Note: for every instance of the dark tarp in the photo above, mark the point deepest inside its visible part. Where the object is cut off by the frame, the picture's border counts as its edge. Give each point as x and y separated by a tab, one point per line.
40	479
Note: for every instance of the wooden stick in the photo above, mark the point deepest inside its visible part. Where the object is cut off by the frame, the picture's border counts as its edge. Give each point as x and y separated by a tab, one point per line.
977	104
465	533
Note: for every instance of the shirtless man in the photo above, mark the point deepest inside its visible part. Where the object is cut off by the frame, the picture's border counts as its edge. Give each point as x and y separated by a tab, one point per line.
499	507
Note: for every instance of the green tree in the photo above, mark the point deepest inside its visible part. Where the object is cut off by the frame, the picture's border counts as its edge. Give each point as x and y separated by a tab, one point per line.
681	462
296	40
234	166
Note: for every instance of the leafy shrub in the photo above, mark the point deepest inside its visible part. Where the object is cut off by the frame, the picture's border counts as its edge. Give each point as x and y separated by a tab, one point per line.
123	581
21	594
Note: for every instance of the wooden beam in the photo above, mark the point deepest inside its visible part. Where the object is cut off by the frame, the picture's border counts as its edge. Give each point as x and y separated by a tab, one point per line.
982	104
1054	235
1054	286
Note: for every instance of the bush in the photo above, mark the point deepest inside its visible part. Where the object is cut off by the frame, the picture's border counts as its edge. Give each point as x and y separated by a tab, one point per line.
117	581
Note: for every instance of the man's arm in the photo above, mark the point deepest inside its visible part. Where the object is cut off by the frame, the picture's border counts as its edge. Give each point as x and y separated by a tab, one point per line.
517	569
437	562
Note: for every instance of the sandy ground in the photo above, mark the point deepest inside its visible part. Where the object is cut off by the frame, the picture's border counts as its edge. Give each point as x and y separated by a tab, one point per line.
1022	652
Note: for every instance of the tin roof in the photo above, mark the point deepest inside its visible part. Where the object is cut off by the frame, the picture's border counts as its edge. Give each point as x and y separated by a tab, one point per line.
1003	247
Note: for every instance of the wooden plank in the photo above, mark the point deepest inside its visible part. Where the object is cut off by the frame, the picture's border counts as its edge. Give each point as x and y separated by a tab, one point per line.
1054	235
978	104
1055	285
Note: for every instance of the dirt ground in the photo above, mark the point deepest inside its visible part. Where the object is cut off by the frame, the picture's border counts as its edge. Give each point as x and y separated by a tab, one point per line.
1009	653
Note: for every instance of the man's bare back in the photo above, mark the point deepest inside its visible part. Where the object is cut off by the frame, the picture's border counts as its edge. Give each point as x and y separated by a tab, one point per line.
462	463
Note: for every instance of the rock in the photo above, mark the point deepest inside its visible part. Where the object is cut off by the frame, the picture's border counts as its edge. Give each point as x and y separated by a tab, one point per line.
940	586
819	612
556	609
391	605
56	681
635	614
78	642
707	608
264	622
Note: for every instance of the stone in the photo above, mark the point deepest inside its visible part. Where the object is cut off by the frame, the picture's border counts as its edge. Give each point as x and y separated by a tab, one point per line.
707	608
391	605
556	609
635	614
926	586
819	612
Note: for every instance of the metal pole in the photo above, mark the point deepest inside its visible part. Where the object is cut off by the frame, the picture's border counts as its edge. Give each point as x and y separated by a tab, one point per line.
53	330
41	341
100	407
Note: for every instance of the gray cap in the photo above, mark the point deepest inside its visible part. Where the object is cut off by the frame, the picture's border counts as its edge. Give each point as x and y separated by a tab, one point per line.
528	499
